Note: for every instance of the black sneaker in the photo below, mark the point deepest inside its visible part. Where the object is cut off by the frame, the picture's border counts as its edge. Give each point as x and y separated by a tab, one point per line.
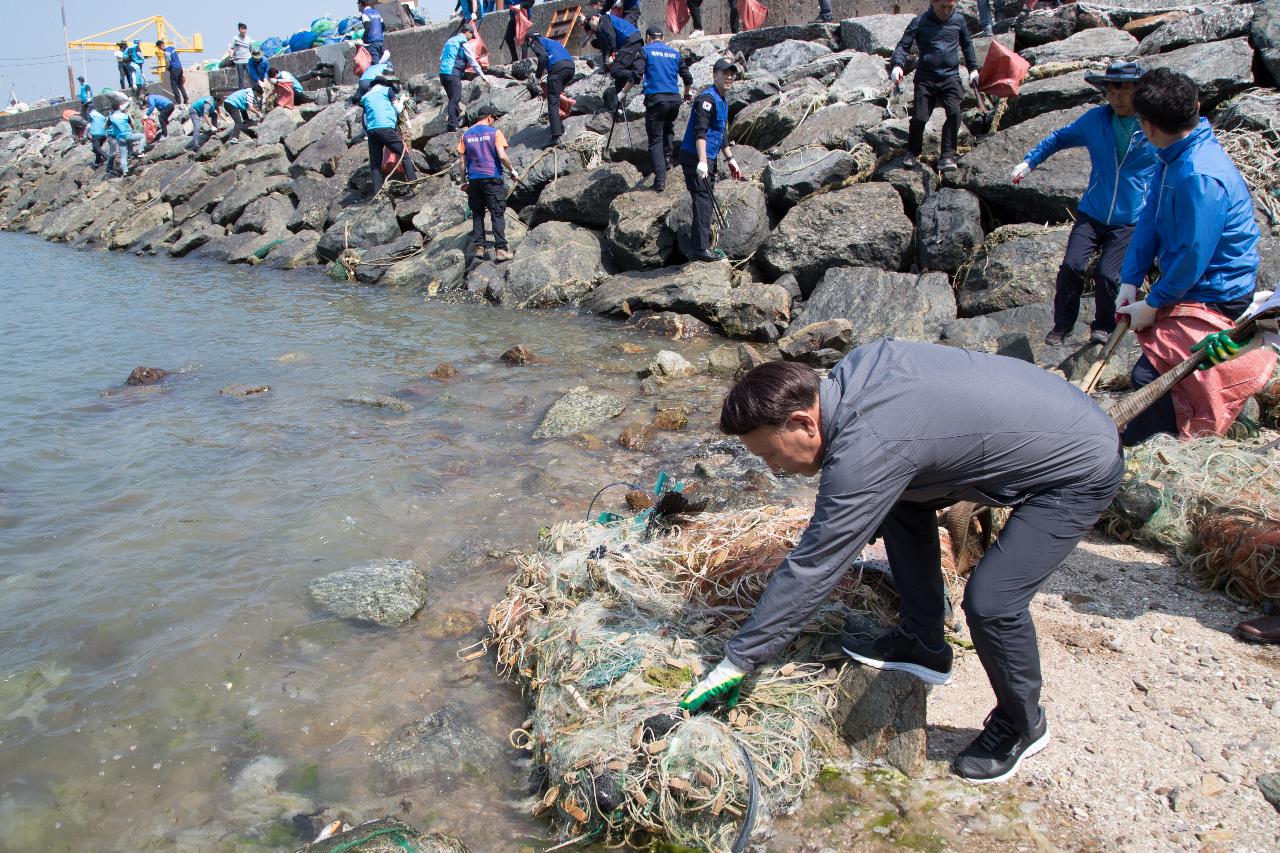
948	164
1055	338
903	652
709	256
910	161
995	754
1099	336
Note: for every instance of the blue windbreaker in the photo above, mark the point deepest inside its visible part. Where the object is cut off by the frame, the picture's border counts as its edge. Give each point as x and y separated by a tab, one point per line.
172	58
1198	222
379	112
258	69
157	102
1117	187
239	100
97	123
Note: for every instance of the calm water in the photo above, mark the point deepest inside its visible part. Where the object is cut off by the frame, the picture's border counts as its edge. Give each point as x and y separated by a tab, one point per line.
164	682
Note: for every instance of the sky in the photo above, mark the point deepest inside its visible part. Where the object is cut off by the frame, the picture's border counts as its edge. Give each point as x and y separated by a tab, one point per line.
35	65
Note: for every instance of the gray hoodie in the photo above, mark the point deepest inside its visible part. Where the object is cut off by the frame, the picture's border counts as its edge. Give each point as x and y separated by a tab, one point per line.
923	423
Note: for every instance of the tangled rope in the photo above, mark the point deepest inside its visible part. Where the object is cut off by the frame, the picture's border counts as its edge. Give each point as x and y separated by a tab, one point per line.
1257	155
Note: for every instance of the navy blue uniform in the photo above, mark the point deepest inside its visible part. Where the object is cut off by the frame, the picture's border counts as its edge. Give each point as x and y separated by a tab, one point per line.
940	44
709	121
556	62
665	69
618	39
374	31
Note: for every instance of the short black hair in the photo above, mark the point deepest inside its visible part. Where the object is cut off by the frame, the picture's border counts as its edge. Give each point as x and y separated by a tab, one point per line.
1168	99
767	396
271	72
242	25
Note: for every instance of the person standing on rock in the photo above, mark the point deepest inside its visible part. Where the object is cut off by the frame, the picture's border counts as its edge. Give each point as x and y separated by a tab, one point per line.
374	29
381	119
97	135
897	431
239	51
1198	224
84	94
123	66
163	108
138	63
1121	165
239	106
454	61
484	153
554	61
514	10
123	136
704	138
177	77
940	35
665	69
204	121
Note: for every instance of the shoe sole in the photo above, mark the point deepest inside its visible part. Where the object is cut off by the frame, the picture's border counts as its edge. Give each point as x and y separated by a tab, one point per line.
928	676
1036	747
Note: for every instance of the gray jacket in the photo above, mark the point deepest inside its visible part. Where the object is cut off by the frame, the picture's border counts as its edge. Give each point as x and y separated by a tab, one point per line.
929	424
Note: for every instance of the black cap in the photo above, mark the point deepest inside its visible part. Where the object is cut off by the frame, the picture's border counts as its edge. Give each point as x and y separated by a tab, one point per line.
1117	72
486	111
653	30
724	65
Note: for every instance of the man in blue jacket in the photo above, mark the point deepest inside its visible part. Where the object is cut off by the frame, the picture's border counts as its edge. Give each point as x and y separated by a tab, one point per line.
1122	163
84	93
162	108
621	45
556	62
381	116
940	35
665	69
704	139
374	30
123	137
454	60
177	77
1197	223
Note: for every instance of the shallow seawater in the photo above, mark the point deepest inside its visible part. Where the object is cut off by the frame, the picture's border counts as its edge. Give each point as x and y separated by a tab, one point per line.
165	683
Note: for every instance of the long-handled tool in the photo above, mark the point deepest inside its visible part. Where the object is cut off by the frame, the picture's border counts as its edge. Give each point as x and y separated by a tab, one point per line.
715	202
1113	344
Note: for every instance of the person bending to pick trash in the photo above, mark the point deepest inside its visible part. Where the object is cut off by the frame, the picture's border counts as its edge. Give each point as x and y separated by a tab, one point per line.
896	432
557	64
1198	224
1121	165
940	35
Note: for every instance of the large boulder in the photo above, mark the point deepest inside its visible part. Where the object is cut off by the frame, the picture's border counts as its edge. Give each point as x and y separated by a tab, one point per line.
584	198
766	123
746	220
803	172
540	168
639	232
184	186
1093	45
913	183
579	410
297	250
375	261
236	158
776	60
205	198
878	34
748	42
251	186
269	213
447	256
322	156
556	264
332	117
314	197
1264	32
863	78
1017	265
193	234
1051	94
1220	69
1256	109
1048	194
1015	332
138	223
835	126
385	592
861	225
1213	24
1042	26
948	229
360	226
877	303
277	124
755	311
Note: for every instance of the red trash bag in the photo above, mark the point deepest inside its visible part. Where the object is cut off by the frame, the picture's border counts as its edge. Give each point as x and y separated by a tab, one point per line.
752	14
391	162
150	129
478	50
362	60
1002	72
523	25
677	15
284	94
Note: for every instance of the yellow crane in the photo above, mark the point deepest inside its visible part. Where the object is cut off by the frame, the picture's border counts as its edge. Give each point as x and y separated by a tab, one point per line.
109	39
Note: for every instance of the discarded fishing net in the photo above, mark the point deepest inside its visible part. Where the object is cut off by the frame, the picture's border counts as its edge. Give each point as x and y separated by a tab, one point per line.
384	835
606	631
1214	504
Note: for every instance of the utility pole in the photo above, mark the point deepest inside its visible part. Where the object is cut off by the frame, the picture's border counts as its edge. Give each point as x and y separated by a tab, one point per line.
66	42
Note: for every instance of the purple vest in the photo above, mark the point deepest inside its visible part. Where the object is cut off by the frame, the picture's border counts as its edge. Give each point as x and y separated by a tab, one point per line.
482	152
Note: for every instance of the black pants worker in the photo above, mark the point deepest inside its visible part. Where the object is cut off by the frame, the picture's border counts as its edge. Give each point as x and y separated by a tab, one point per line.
453	90
660	115
488	194
702	194
380	139
162	116
178	83
99	156
1088	236
1038	536
559	76
930	94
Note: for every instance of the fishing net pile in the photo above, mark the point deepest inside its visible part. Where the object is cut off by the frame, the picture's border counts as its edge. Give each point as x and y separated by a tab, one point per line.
1214	504
606	627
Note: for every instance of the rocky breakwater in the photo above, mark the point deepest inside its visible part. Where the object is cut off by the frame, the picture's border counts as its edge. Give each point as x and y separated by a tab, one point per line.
831	242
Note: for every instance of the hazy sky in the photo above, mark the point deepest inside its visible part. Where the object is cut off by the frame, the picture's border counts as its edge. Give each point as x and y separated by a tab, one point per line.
33	57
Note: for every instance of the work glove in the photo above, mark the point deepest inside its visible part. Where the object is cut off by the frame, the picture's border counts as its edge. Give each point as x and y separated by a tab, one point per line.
703	170
735	171
721	685
466	185
1020	171
1141	314
973	80
1128	293
896	75
1219	347
620	114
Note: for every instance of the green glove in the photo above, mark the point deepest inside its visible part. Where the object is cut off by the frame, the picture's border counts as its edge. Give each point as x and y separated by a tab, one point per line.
721	685
1219	347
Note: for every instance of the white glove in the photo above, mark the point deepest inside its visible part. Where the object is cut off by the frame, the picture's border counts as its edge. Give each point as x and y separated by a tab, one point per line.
703	170
1141	314
1020	171
973	80
896	75
1128	293
734	169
